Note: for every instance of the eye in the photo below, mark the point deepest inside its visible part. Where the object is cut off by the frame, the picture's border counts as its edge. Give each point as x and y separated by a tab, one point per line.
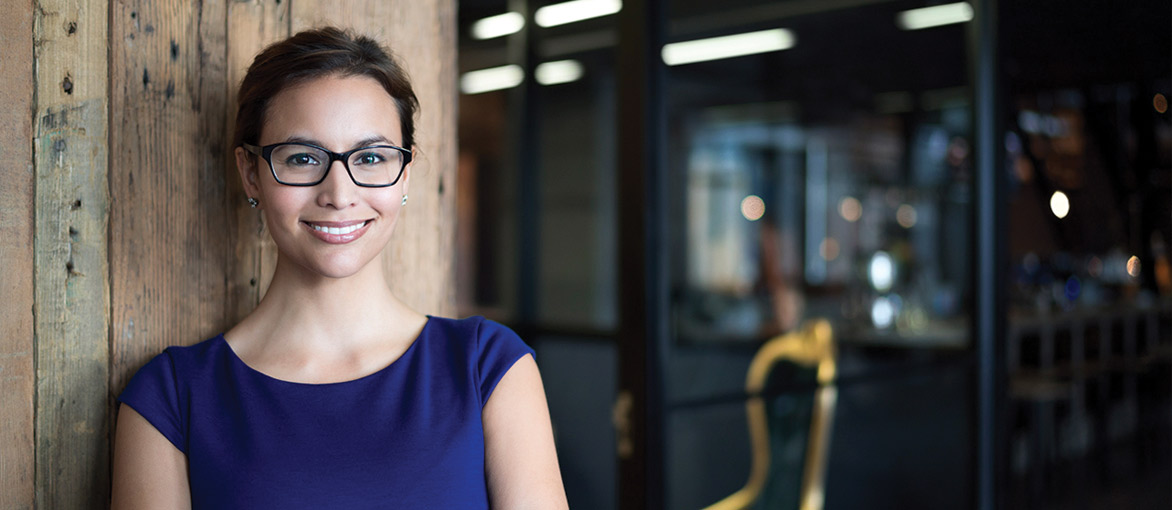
369	158
301	159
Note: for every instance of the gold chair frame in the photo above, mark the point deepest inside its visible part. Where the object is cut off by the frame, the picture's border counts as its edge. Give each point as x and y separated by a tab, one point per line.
811	346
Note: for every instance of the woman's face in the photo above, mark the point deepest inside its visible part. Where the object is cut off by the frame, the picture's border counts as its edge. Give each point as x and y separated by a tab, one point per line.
339	114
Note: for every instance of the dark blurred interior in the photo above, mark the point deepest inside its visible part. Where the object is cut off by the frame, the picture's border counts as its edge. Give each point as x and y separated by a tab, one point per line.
848	168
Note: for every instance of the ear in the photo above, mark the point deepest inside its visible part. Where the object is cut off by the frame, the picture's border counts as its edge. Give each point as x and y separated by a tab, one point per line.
246	165
407	170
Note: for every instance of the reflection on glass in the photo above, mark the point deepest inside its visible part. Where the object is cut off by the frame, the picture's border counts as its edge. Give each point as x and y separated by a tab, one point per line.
863	221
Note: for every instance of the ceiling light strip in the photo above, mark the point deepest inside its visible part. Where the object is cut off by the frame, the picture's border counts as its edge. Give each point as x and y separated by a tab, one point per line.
493	78
560	71
498	26
576	10
728	46
935	16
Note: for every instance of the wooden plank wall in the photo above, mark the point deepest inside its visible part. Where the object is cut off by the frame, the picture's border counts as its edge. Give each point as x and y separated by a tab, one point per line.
71	265
16	252
125	228
170	216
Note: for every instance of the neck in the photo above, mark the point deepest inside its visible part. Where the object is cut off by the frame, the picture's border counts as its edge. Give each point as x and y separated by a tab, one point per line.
310	312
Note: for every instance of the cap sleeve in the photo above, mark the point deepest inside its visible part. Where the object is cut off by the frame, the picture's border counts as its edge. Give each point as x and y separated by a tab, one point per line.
498	349
154	393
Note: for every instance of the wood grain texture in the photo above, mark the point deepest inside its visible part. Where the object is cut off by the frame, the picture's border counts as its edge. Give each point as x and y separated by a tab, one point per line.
420	258
171	227
126	211
71	273
16	250
252	25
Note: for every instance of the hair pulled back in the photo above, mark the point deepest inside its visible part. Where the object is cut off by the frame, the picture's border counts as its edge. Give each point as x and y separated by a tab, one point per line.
314	54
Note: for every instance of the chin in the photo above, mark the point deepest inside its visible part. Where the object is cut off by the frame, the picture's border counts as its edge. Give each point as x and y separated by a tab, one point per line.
339	267
344	271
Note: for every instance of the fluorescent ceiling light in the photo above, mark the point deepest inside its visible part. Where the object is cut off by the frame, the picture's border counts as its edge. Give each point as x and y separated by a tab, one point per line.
493	78
934	16
498	26
561	71
728	46
576	10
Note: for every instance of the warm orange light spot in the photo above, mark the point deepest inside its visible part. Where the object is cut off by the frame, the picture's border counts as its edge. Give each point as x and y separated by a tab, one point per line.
1160	102
752	208
906	216
850	209
1133	266
1095	267
828	249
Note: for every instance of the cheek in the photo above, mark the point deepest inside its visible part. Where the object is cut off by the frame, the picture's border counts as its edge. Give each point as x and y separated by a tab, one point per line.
388	202
282	207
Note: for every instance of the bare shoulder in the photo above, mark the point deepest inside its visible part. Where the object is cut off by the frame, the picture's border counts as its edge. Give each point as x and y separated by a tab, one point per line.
520	458
149	471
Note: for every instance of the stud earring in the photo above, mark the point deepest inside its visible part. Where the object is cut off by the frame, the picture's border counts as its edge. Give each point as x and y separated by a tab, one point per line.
252	202
404	199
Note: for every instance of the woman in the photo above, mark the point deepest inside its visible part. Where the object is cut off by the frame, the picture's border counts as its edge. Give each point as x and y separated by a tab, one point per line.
333	393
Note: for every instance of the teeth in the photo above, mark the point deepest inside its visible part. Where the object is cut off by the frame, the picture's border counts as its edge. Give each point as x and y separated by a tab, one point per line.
338	230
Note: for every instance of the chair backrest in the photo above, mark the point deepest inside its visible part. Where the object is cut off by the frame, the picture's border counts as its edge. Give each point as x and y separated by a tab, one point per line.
790	427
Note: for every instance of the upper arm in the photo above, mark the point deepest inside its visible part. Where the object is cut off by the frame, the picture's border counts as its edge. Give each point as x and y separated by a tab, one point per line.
149	472
520	460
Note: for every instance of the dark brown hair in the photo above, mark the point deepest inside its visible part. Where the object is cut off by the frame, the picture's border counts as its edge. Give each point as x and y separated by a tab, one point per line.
315	54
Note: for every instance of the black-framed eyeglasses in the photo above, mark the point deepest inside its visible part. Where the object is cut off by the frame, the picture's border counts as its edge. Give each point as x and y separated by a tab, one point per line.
303	164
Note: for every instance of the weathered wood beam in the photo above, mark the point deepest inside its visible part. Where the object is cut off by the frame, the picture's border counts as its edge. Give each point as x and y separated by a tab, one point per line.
16	252
170	235
71	271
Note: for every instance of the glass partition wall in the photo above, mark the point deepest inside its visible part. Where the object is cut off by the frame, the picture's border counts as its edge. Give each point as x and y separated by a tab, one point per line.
828	178
537	203
818	160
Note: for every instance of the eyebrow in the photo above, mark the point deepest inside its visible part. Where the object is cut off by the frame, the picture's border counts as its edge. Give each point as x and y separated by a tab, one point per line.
372	140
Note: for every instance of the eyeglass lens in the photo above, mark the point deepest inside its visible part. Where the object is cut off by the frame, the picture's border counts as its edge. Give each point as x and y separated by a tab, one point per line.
302	164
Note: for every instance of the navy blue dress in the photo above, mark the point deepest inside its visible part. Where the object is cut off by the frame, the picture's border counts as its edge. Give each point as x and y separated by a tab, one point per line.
407	436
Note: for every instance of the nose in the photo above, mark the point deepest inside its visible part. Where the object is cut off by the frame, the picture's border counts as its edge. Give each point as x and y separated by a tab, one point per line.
337	191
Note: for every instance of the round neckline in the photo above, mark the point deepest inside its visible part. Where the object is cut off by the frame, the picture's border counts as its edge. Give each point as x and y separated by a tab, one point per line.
248	368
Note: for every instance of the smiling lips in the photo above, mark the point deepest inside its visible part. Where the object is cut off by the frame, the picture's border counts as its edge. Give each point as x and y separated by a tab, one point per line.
337	232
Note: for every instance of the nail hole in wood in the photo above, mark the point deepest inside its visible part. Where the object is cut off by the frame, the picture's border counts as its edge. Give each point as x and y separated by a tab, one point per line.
76	205
71	28
67	85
